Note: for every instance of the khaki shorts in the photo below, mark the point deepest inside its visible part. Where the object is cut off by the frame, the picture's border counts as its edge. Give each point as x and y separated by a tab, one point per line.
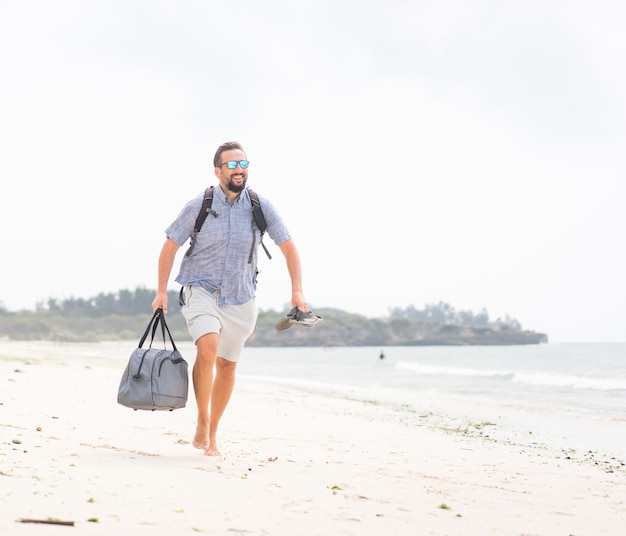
233	323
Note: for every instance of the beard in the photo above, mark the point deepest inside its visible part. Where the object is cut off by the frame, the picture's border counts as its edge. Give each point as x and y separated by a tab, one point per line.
236	188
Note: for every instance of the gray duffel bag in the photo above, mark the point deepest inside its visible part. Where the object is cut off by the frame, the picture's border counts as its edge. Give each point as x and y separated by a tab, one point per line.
155	379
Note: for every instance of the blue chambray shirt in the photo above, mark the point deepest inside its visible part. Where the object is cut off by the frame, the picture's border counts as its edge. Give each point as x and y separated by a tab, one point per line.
219	260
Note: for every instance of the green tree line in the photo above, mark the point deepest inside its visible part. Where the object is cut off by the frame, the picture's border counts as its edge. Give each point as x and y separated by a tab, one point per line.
124	315
134	302
444	313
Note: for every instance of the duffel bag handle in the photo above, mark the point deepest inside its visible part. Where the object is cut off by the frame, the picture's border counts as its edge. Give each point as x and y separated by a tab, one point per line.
157	317
154	322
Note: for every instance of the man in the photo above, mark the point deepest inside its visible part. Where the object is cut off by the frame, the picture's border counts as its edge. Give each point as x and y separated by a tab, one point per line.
219	282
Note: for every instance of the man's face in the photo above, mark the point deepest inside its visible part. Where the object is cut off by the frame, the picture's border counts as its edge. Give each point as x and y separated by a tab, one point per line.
232	179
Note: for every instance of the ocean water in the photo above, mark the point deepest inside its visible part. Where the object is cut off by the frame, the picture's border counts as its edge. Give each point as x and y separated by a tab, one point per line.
590	378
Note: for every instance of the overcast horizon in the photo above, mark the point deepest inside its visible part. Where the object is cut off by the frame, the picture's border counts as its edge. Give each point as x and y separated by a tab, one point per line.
423	151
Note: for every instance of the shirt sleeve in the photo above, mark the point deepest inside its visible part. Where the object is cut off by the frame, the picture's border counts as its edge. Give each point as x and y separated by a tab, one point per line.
276	228
182	227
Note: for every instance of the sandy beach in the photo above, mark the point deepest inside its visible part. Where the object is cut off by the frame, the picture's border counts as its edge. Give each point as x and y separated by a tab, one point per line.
293	463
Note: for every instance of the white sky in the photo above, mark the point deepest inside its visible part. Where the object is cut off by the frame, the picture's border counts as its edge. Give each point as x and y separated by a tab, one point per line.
464	151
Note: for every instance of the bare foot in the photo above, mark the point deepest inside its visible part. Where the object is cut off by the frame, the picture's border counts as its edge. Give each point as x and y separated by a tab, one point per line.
201	439
211	450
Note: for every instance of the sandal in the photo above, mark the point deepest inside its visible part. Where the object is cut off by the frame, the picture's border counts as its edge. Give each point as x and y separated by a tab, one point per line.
296	317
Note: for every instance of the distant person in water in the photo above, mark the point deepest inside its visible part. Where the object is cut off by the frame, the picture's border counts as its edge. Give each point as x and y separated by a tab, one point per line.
219	282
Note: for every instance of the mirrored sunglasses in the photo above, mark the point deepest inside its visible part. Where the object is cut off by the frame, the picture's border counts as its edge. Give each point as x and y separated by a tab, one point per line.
232	164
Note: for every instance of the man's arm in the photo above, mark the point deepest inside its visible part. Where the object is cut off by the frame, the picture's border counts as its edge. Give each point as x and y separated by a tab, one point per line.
166	261
295	273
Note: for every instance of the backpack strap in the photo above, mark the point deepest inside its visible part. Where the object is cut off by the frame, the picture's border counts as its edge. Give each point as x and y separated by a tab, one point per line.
204	212
259	220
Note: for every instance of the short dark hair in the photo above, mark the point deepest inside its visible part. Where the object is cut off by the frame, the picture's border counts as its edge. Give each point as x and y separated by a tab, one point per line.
228	146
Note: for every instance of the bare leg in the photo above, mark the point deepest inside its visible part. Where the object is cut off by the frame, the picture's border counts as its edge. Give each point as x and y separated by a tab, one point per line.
220	395
206	353
207	388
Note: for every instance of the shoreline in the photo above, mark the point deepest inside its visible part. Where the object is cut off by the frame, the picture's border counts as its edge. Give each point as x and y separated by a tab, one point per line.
294	463
568	431
571	430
